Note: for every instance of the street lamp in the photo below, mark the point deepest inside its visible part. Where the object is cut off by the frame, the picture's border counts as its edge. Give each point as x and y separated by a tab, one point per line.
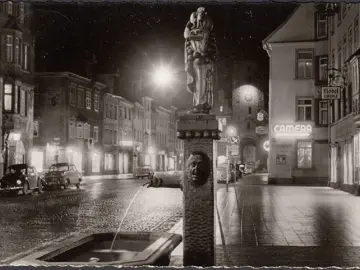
162	76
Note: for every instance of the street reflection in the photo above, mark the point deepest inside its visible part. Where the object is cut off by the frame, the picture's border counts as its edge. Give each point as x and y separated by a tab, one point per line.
289	225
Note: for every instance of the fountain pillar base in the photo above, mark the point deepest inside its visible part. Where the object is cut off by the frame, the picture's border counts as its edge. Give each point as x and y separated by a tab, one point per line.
199	132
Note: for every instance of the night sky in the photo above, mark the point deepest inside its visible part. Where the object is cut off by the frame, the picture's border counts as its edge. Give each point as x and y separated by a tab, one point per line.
133	37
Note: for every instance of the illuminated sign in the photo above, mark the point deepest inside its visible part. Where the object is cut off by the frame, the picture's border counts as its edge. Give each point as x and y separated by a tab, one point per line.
266	146
260	116
292	130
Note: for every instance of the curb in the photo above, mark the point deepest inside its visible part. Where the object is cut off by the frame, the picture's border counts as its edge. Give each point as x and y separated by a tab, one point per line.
109	177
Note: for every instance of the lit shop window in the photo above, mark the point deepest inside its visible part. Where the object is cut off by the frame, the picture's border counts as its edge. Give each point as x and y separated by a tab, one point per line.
304	154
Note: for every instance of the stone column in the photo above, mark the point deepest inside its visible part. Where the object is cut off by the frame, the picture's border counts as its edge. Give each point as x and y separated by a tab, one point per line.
199	132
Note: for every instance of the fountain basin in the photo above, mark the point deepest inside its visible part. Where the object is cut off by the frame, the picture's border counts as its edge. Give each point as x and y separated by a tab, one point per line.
130	249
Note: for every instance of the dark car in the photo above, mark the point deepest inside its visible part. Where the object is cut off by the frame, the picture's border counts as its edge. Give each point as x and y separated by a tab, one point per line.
142	171
62	175
21	177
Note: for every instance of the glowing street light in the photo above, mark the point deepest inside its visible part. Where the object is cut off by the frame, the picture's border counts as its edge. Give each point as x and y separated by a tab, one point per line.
162	76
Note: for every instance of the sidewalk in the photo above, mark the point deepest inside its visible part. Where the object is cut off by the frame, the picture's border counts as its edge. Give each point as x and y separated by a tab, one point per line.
107	177
292	226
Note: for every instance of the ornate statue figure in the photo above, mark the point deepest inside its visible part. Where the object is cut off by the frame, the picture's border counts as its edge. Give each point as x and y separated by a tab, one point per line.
200	54
198	168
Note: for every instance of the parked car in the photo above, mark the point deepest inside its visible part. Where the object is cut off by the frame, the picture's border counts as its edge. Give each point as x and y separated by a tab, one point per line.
168	178
21	177
142	171
62	175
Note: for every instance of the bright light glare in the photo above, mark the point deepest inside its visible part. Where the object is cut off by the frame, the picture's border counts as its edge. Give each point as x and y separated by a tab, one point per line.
162	76
16	136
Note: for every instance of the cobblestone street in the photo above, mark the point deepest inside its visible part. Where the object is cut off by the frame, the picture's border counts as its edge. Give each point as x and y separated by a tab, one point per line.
34	220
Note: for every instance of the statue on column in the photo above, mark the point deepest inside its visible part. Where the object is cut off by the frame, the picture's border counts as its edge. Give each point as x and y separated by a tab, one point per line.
200	55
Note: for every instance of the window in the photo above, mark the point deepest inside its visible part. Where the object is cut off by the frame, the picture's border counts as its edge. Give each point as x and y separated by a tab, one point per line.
96	102
9	48
355	77
8	97
21	12
304	64
249	109
304	109
345	56
323	65
79	130
96	134
9	7
88	100
350	41
323	112
72	97
17	99
22	102
356	33
36	129
339	63
26	57
332	24
321	25
110	110
304	154
333	58
86	131
221	108
72	129
80	98
17	51
248	125
115	112
339	16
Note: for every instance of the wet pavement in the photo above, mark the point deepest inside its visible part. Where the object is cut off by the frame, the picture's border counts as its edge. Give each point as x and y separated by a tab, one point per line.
265	225
291	225
31	221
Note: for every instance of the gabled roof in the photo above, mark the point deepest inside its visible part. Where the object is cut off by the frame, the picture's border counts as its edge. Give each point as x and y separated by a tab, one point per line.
12	24
282	24
298	27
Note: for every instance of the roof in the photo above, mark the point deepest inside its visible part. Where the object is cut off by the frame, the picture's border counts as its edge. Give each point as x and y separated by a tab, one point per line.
12	24
282	24
69	75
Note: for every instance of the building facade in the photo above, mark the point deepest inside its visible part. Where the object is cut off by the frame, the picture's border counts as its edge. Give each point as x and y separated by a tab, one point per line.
298	118
139	135
247	102
16	83
111	129
344	53
69	122
222	110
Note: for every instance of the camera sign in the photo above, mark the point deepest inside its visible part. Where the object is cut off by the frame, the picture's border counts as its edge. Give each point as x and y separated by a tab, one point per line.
330	92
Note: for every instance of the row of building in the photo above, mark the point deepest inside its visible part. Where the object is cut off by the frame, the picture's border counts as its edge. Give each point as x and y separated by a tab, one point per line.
314	96
93	123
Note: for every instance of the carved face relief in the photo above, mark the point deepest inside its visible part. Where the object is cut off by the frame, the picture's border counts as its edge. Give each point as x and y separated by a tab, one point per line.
198	168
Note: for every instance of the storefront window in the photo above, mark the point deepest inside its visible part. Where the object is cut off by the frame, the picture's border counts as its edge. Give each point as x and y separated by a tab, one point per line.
109	162
333	164
95	161
304	154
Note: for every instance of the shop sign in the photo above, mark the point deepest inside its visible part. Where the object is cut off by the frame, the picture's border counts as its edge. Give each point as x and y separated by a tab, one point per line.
292	130
262	130
266	146
330	92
